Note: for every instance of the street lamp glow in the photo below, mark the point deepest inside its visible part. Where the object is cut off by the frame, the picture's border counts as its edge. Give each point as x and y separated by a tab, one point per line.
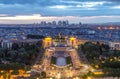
77	78
48	38
89	78
72	38
59	76
86	67
92	70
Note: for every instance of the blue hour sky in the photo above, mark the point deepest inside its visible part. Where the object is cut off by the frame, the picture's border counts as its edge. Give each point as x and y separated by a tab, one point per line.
93	11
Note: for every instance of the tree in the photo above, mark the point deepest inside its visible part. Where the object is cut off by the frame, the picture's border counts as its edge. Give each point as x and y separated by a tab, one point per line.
35	36
105	47
15	46
43	74
15	72
27	68
9	76
39	43
2	54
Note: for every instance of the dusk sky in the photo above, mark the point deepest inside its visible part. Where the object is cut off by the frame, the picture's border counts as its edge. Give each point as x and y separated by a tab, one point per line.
86	11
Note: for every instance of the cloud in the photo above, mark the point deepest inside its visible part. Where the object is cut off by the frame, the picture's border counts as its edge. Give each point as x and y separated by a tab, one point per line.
94	3
11	5
37	18
116	7
77	4
3	15
60	7
82	6
22	17
18	1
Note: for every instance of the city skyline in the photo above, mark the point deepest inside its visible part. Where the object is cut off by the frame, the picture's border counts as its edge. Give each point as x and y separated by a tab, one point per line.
34	11
59	39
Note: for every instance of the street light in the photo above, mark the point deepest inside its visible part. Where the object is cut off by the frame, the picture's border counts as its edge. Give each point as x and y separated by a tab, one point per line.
86	66
38	78
77	77
89	78
59	76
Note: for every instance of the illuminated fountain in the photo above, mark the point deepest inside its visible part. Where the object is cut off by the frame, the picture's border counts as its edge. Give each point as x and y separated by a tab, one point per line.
61	61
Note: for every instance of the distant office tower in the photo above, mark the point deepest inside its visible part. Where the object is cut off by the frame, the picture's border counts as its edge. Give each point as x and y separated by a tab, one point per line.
6	44
54	22
59	22
43	23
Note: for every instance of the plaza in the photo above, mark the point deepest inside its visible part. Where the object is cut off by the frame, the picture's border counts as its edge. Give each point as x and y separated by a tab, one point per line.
61	60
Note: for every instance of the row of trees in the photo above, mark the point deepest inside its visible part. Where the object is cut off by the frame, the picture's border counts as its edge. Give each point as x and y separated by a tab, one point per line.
93	51
100	56
53	60
27	53
12	66
68	60
112	72
36	75
18	53
35	36
7	70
